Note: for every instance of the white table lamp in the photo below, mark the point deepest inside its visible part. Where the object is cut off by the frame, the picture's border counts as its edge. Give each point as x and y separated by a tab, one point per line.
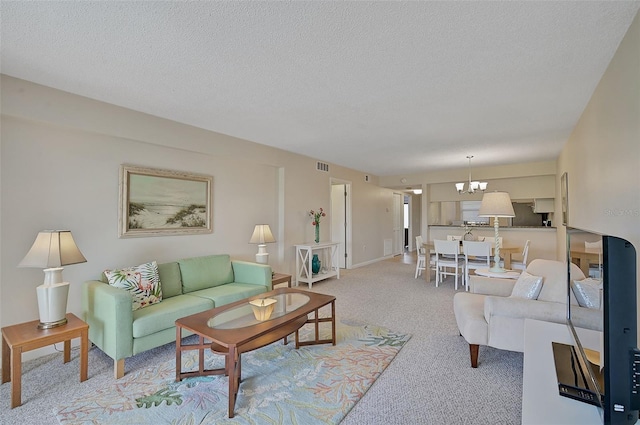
51	250
496	204
262	235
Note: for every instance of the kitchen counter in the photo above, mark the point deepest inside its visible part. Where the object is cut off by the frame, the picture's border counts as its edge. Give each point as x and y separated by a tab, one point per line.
473	228
543	239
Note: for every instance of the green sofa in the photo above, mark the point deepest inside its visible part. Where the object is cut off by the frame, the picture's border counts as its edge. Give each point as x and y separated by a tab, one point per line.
189	286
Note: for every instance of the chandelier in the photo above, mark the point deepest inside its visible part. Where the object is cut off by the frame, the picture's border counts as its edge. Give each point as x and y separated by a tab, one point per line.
473	185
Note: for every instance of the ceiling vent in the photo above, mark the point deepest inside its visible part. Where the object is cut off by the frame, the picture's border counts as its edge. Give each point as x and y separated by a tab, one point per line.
321	166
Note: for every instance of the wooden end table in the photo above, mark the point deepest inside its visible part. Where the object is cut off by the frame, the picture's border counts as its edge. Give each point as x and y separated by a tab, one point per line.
281	278
23	337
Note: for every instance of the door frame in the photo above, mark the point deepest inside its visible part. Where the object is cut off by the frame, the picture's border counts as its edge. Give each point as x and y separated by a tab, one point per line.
348	228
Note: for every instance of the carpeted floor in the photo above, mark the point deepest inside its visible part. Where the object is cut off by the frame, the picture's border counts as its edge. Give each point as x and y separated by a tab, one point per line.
280	384
429	382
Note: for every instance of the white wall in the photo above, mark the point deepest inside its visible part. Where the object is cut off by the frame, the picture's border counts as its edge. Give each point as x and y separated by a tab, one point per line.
60	156
602	156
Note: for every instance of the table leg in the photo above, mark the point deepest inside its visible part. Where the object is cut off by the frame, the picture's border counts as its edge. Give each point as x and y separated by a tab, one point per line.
6	361
201	355
507	260
233	381
178	354
333	322
16	377
67	351
84	354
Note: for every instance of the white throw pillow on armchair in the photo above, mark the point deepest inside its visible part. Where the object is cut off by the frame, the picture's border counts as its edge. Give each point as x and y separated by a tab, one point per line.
527	286
587	292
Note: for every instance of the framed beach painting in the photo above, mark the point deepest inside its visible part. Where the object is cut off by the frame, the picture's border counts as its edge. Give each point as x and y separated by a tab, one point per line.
156	202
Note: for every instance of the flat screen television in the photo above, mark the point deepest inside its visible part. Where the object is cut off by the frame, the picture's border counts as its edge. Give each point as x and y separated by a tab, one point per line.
615	386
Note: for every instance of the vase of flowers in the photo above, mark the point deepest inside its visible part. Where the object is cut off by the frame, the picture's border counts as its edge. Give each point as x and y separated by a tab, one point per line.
316	221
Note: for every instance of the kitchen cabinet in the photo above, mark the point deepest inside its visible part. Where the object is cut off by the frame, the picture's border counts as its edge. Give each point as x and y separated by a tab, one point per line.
544	205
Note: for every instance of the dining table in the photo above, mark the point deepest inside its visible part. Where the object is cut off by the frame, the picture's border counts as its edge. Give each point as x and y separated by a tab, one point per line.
505	252
582	257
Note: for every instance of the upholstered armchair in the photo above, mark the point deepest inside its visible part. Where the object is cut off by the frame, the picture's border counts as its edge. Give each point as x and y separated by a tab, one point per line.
493	314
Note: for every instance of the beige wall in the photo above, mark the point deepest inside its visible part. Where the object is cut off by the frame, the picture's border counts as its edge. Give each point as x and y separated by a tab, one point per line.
602	156
60	156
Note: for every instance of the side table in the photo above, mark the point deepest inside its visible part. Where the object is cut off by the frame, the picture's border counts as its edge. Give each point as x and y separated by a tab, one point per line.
509	274
23	337
280	278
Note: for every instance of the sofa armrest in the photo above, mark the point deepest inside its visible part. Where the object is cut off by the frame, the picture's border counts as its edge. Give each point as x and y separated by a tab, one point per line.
108	311
520	308
253	273
491	285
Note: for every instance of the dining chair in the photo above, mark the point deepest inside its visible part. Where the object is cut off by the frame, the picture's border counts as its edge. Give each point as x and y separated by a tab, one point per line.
595	270
477	255
522	265
422	257
448	257
492	240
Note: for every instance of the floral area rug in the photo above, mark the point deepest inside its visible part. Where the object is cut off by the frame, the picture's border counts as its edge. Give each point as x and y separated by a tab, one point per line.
280	385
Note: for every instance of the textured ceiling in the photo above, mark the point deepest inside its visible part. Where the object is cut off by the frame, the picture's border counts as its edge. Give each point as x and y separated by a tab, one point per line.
382	87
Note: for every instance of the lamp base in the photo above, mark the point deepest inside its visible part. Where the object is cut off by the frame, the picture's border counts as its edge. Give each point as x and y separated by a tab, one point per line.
262	257
498	270
52	304
50	325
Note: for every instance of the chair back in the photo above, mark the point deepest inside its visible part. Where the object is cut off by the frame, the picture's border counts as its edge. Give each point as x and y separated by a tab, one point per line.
476	249
492	240
447	247
525	252
594	245
419	247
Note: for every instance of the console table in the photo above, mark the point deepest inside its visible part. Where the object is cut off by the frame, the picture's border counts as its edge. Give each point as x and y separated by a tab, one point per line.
541	403
304	255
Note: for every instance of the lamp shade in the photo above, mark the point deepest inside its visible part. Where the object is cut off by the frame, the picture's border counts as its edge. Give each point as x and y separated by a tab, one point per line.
496	204
53	248
262	234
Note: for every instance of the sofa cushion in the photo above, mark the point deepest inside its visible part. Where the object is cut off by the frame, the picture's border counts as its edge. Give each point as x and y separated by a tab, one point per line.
205	272
527	286
587	292
225	294
163	316
142	282
170	279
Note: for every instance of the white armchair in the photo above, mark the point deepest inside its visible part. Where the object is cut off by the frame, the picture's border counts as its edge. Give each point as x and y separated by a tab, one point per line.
487	315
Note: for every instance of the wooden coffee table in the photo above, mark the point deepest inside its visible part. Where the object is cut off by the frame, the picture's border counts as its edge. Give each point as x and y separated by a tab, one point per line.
232	329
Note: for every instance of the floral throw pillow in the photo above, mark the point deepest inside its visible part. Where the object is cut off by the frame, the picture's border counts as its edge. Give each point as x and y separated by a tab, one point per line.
143	282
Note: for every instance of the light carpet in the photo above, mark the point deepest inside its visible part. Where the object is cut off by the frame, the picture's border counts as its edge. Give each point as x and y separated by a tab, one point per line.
313	384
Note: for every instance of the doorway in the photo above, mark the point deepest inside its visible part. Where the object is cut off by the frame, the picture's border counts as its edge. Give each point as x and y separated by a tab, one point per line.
340	218
398	223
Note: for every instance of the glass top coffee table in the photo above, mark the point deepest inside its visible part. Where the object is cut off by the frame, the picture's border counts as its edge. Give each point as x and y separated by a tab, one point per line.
233	329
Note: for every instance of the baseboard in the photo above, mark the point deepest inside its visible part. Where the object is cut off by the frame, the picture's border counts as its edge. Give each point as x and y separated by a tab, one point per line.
376	260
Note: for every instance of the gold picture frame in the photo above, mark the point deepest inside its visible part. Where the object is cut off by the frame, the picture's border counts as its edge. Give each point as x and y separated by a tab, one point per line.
564	196
158	202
